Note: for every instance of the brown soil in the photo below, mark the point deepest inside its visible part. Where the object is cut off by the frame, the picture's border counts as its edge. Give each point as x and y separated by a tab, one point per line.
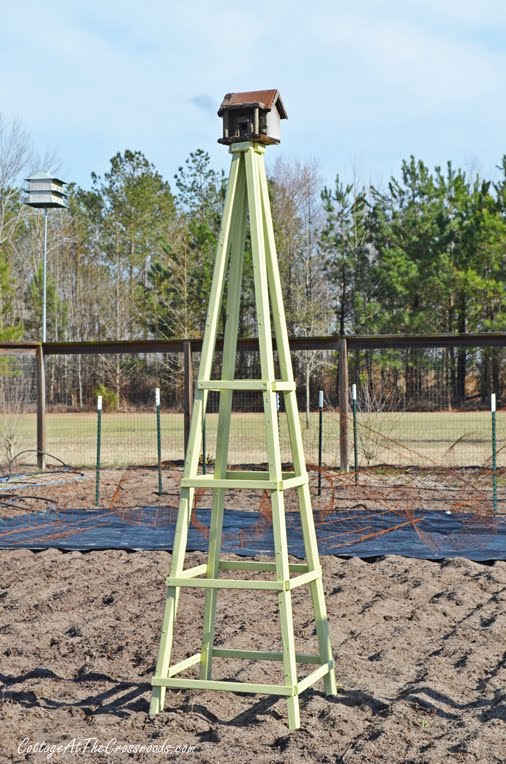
419	648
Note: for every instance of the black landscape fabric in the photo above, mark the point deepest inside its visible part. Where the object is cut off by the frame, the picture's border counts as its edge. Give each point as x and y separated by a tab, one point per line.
439	535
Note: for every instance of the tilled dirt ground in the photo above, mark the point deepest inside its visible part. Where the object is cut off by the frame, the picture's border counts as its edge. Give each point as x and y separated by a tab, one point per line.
419	648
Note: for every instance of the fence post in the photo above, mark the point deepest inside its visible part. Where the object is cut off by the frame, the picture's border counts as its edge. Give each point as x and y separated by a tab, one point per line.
494	451
41	407
99	447
343	403
355	431
187	391
158	440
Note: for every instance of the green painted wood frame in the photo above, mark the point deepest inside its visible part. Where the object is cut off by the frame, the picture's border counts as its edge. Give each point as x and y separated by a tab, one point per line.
247	197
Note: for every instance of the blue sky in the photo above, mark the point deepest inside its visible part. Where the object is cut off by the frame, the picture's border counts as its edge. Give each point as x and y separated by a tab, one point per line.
365	83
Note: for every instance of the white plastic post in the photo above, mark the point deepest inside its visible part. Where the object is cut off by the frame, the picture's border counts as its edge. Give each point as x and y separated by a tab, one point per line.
157	396
492	403
354	392
99	403
320	399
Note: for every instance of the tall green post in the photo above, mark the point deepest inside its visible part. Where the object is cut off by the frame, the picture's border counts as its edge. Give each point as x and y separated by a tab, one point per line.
246	115
158	440
99	445
494	451
320	440
355	430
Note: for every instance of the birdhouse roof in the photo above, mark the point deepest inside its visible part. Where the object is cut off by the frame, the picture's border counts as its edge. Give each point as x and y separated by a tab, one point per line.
45	176
265	99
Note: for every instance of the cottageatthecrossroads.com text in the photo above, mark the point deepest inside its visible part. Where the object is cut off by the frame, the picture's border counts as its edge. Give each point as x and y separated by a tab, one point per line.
92	745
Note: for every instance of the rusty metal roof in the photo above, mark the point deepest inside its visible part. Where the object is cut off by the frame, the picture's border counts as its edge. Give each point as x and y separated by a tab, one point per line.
266	99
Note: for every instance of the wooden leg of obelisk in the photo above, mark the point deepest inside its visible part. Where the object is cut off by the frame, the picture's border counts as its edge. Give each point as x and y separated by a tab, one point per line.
191	459
311	546
285	606
238	231
172	598
317	590
307	519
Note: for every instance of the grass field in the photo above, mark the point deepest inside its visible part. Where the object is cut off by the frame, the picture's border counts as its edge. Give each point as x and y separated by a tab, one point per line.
422	439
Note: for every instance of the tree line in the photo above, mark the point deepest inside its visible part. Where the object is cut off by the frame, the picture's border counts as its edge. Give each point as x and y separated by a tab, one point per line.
132	257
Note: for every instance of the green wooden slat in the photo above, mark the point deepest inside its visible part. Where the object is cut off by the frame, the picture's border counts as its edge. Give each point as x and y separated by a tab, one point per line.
254	165
295	436
238	235
296	567
208	481
314	676
282	386
245	384
233	384
305	578
176	668
262	655
295	482
224	583
198	570
194	443
210	684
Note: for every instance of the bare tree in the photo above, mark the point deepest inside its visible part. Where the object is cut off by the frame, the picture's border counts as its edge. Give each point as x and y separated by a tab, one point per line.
298	218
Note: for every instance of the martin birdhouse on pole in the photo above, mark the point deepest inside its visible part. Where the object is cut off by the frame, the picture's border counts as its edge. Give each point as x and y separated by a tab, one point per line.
45	191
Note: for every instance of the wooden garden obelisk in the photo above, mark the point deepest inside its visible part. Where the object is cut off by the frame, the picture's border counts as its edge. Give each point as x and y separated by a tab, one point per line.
250	120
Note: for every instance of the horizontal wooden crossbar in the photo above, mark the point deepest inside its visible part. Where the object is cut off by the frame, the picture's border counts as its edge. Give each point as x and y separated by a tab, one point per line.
233	384
208	481
225	583
313	677
244	479
262	655
248	687
297	567
294	482
182	665
187	579
276	386
211	684
305	578
198	570
260	475
253	565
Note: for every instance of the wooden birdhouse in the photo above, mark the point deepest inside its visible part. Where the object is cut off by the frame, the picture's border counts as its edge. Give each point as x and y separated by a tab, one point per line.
252	116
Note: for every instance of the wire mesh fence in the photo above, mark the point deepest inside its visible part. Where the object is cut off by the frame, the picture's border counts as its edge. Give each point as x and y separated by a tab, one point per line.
127	383
428	406
18	405
415	405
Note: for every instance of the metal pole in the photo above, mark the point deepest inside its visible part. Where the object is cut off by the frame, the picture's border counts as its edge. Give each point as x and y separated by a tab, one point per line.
44	280
320	440
494	451
355	434
158	439
41	408
99	437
